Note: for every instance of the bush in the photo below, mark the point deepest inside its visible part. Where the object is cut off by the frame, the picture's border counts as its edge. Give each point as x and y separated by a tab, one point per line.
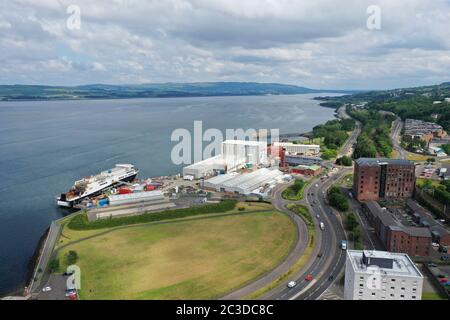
294	192
80	222
337	199
53	265
344	161
71	257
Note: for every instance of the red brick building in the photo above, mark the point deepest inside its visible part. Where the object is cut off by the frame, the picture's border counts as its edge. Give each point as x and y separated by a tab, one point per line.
395	236
383	178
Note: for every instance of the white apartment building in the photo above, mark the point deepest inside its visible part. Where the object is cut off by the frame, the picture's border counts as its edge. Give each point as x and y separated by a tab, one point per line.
302	149
380	275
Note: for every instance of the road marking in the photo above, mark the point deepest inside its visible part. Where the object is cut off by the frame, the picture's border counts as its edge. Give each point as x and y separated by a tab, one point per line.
304	290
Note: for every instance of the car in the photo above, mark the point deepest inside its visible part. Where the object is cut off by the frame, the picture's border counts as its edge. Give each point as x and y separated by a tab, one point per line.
444	258
432	265
320	255
72	297
291	284
318	216
47	289
330	278
309	277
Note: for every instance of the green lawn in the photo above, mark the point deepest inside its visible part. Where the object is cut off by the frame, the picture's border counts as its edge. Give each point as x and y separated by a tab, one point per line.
196	259
295	192
431	296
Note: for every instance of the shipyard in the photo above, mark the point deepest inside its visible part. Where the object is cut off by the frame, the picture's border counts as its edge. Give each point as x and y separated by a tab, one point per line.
243	169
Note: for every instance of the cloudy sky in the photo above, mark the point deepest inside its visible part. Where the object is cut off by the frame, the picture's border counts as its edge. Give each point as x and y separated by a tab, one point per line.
319	44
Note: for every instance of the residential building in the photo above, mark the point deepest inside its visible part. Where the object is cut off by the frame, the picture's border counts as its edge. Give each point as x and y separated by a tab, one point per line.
424	218
396	237
383	178
426	131
380	275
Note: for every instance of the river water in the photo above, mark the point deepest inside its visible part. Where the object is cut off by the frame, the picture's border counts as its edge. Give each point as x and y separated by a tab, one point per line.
47	145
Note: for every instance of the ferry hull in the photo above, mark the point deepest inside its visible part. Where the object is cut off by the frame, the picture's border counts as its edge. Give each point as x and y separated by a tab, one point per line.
70	204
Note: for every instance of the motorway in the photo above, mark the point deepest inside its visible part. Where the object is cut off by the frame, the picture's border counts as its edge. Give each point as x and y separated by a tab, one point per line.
326	269
333	258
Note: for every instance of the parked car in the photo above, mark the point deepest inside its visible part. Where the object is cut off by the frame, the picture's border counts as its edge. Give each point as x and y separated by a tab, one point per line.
46	289
444	258
291	284
432	265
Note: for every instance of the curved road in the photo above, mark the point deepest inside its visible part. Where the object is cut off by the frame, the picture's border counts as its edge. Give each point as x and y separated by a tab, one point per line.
333	258
293	256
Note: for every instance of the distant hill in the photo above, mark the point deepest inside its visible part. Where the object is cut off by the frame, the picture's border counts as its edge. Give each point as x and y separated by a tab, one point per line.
157	90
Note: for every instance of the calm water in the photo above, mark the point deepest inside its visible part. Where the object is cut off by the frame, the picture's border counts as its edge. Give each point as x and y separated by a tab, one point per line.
46	146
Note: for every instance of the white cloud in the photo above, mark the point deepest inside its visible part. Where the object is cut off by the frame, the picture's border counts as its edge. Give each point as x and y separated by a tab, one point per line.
320	43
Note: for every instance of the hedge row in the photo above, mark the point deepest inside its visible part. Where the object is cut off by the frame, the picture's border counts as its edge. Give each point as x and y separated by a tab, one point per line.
80	222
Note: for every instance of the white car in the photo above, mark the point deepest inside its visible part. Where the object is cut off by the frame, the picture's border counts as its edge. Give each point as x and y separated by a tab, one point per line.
434	244
47	289
291	284
317	216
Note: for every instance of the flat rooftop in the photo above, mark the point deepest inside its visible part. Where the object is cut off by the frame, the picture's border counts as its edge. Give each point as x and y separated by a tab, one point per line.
388	263
380	161
246	142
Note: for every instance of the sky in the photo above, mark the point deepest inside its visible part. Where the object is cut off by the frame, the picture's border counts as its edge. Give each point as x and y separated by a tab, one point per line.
326	44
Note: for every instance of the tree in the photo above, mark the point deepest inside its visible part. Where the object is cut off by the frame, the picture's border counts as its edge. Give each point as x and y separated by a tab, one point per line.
351	221
344	161
71	257
53	265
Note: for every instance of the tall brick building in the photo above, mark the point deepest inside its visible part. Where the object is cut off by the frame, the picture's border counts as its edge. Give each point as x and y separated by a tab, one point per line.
395	236
375	179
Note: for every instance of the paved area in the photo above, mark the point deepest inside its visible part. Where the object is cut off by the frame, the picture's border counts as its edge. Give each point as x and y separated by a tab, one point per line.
58	284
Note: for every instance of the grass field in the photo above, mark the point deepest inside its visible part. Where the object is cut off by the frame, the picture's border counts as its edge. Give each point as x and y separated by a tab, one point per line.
417	157
186	259
431	296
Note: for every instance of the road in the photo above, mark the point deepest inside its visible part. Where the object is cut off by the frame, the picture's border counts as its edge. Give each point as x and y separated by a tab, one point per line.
397	126
327	241
347	148
333	258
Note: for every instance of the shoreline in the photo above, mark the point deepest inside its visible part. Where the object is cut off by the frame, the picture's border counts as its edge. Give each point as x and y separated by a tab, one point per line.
31	266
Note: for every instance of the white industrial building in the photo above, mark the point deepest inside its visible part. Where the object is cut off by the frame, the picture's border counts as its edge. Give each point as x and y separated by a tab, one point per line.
245	183
120	199
205	167
235	153
301	149
380	275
